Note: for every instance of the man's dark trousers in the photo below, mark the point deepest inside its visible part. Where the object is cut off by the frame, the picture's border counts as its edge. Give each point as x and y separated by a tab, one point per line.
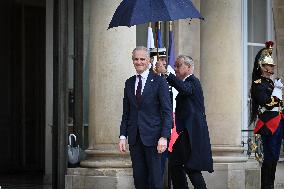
177	158
146	159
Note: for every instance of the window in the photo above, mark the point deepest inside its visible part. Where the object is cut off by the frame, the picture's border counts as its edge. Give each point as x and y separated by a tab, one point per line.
257	28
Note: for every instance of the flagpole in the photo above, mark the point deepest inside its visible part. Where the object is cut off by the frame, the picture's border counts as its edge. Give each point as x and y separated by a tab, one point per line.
170	40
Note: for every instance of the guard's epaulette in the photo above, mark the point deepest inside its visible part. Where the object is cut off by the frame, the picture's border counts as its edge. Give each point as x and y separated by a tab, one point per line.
257	81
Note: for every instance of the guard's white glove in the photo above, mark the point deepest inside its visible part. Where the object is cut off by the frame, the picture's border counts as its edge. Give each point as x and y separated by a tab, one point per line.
278	83
277	91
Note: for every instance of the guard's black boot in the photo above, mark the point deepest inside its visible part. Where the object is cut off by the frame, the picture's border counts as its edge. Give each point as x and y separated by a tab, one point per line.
266	175
272	174
263	176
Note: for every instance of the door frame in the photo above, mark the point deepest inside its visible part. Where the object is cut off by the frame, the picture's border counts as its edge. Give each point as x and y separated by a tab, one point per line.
60	94
60	86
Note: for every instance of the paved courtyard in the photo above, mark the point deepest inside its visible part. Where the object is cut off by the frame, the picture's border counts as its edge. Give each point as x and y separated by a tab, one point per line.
279	179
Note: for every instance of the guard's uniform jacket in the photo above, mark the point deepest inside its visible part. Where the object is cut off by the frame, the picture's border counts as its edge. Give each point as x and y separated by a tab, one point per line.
270	107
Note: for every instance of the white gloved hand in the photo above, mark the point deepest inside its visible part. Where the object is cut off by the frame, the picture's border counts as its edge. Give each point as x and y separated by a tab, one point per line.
278	85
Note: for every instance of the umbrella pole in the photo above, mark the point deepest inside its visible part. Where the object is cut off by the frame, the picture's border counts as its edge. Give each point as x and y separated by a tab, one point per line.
158	26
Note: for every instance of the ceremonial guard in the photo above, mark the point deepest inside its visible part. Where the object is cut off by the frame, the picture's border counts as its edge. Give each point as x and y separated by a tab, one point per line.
162	53
267	112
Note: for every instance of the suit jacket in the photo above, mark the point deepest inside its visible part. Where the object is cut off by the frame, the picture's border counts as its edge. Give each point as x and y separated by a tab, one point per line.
153	118
190	117
268	121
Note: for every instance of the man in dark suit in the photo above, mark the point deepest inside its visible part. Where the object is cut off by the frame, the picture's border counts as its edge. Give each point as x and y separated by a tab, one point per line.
192	150
146	121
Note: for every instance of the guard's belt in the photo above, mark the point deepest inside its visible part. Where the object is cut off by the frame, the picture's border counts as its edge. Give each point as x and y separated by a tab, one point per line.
275	109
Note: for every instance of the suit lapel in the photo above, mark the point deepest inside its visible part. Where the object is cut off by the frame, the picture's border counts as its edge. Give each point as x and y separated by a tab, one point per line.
147	86
132	89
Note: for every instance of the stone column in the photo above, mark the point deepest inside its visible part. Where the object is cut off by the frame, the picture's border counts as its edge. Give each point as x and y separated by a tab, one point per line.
110	66
221	77
187	38
278	11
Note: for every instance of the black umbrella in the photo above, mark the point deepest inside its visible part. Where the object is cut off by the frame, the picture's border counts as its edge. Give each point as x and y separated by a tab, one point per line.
133	12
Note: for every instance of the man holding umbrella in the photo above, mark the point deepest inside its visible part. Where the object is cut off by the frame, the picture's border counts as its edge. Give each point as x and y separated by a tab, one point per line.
192	150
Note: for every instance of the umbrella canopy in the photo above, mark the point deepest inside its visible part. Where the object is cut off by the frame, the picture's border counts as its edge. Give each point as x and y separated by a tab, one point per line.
133	12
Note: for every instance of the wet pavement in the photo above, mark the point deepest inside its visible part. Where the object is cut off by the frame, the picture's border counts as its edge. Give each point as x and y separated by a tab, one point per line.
279	177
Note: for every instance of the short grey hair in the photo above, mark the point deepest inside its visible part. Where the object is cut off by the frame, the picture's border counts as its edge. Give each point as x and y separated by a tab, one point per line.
187	60
141	48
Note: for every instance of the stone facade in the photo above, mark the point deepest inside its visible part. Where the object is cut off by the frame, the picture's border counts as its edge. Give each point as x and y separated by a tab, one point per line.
216	45
278	11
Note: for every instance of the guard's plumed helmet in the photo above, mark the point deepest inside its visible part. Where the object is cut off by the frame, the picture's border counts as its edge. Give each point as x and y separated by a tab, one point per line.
263	57
266	54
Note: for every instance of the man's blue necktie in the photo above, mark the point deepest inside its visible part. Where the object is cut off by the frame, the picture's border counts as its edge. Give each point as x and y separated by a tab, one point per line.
138	90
